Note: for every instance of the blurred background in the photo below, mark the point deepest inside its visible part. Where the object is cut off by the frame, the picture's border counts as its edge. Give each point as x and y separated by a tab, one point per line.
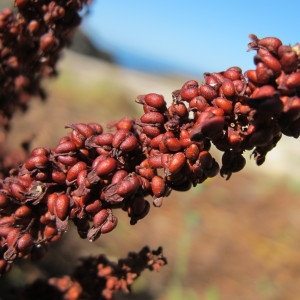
236	239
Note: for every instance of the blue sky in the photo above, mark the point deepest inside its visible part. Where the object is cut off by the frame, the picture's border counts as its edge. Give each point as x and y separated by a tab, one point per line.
191	36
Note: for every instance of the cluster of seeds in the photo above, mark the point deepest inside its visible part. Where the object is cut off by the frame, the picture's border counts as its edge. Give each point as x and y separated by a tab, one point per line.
30	45
96	278
91	171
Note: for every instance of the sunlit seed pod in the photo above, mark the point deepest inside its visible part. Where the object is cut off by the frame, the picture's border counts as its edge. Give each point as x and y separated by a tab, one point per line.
39	151
251	75
67	160
292	81
104	139
176	163
100	217
180	110
211	80
128	186
227	88
24	243
156	140
49	231
77	138
129	144
65	147
84	129
208	92
18	191
240	86
263	73
36	162
199	103
155	161
62	206
93	207
23	211
233	73
155	100
264	92
289	62
173	144
74	170
152	118
192	152
272	63
270	43
119	176
119	137
158	186
110	224
147	173
98	129
106	166
223	103
187	94
190	84
151	131
123	124
58	176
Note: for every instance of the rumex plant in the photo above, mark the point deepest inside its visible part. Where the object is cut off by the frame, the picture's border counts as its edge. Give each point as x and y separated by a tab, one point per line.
93	170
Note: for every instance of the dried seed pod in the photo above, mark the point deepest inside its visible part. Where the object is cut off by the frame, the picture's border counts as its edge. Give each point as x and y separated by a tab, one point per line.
187	94
158	186
208	92
65	147
177	161
233	73
129	144
62	206
292	81
227	88
223	103
58	176
100	217
22	211
152	118
24	243
74	171
67	160
18	191
106	166
128	186
155	100
36	162
110	224
104	139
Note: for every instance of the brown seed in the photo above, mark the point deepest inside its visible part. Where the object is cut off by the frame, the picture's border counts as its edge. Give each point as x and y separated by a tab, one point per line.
12	237
208	92
106	166
25	243
62	206
36	162
4	201
151	131
158	186
23	211
192	152
190	84
119	176
270	43
98	129
155	100
18	191
58	176
292	81
188	94
130	143
228	88
104	139
128	186
176	163
39	151
110	224
272	63
84	129
224	103
152	118
251	75
67	160
232	74
265	91
100	217
65	147
173	144
74	171
289	61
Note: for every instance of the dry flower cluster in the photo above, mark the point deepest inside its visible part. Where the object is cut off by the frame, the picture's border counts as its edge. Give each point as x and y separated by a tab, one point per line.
93	171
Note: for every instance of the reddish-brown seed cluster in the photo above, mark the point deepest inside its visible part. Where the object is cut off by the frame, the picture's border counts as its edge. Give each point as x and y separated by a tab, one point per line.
91	171
95	278
30	44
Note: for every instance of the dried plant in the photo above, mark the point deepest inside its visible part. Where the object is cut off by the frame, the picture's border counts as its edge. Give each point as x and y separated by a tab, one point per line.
92	172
